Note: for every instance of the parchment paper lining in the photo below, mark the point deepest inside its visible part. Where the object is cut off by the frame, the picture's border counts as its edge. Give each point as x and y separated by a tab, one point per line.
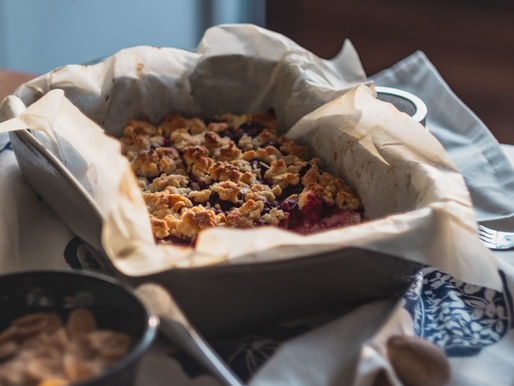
417	202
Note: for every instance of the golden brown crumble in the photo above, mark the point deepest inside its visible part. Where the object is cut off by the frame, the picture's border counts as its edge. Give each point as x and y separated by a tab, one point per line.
230	171
196	219
201	196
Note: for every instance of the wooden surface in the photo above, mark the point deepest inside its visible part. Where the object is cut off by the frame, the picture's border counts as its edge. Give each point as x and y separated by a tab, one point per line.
471	43
9	80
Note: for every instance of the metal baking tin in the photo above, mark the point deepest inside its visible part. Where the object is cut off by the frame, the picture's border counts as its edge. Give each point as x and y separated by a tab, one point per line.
240	296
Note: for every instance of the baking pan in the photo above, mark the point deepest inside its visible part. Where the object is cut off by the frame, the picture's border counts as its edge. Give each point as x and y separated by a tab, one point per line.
224	299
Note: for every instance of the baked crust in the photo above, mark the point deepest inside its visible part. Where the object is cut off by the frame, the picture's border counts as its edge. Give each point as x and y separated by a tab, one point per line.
232	171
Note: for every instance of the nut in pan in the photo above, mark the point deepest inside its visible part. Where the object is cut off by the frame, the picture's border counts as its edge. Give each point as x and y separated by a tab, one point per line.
8	334
110	345
8	349
80	321
37	322
42	363
81	369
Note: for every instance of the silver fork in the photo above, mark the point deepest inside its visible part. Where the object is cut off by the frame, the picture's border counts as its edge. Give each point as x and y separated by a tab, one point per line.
494	239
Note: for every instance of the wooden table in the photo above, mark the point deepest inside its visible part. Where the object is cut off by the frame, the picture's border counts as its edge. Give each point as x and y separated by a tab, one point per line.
9	80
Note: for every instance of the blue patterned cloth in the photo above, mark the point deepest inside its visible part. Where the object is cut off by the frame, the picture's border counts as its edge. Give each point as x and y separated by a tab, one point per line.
458	317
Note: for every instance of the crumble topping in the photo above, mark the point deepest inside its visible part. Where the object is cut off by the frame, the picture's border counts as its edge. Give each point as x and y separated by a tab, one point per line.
232	171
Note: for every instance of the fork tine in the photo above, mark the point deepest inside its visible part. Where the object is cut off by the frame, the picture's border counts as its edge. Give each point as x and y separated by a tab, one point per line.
487	240
494	239
487	236
484	235
485	230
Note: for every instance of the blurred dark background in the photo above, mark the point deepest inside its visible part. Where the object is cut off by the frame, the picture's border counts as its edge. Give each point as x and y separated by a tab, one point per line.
471	43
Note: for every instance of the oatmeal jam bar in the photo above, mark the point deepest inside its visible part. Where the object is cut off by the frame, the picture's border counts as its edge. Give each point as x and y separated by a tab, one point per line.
232	171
